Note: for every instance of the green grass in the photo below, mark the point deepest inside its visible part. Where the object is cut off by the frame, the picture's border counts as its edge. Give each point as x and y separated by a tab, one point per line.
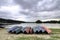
55	31
54	36
29	38
58	37
34	38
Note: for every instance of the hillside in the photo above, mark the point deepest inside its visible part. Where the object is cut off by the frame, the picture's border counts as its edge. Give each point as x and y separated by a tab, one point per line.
9	21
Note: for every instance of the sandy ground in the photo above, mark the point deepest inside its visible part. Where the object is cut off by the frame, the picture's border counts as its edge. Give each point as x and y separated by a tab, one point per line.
4	35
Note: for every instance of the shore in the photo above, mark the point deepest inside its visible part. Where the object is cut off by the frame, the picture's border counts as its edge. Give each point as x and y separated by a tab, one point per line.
55	35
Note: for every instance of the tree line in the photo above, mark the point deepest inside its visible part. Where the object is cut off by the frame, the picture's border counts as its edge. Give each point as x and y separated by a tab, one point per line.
52	21
15	21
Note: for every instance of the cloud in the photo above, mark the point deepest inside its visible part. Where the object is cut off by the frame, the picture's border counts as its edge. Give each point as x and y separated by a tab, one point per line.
39	5
12	12
2	2
42	15
30	10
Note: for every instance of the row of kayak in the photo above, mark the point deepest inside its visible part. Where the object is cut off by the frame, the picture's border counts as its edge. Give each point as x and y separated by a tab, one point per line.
29	30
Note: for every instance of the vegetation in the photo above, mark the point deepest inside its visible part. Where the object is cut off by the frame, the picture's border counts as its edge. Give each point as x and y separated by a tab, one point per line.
52	21
54	36
9	21
38	21
29	38
4	35
16	21
36	38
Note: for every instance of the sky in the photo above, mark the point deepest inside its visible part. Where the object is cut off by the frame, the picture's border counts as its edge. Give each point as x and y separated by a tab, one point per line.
30	10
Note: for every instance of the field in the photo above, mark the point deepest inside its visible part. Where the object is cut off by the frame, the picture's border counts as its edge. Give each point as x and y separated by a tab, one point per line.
55	35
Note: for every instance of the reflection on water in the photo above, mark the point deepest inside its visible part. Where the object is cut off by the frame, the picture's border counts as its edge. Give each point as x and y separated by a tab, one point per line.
35	24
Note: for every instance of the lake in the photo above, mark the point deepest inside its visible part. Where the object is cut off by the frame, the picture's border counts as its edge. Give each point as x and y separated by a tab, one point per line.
49	25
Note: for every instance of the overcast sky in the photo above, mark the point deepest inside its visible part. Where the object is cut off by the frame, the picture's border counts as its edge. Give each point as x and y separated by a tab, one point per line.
30	10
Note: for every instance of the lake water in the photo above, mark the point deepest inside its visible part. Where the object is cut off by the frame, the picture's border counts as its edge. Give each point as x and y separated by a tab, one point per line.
55	25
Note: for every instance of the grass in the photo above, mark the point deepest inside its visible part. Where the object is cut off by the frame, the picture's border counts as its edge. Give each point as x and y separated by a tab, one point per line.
4	35
36	38
29	38
54	36
55	31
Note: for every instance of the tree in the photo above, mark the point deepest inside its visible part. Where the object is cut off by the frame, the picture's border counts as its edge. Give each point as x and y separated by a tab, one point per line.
38	21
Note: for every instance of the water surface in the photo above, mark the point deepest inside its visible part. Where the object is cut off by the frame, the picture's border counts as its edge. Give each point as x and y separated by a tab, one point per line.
49	25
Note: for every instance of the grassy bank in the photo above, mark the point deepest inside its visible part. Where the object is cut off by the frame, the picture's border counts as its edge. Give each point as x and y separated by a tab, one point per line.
4	35
54	36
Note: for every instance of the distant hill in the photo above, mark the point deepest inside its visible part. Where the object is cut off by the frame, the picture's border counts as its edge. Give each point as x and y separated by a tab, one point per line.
38	21
52	21
10	21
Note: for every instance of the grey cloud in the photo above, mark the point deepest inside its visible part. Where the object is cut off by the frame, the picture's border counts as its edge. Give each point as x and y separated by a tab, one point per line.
32	5
27	4
57	15
6	2
46	10
58	5
30	14
42	15
5	15
3	2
